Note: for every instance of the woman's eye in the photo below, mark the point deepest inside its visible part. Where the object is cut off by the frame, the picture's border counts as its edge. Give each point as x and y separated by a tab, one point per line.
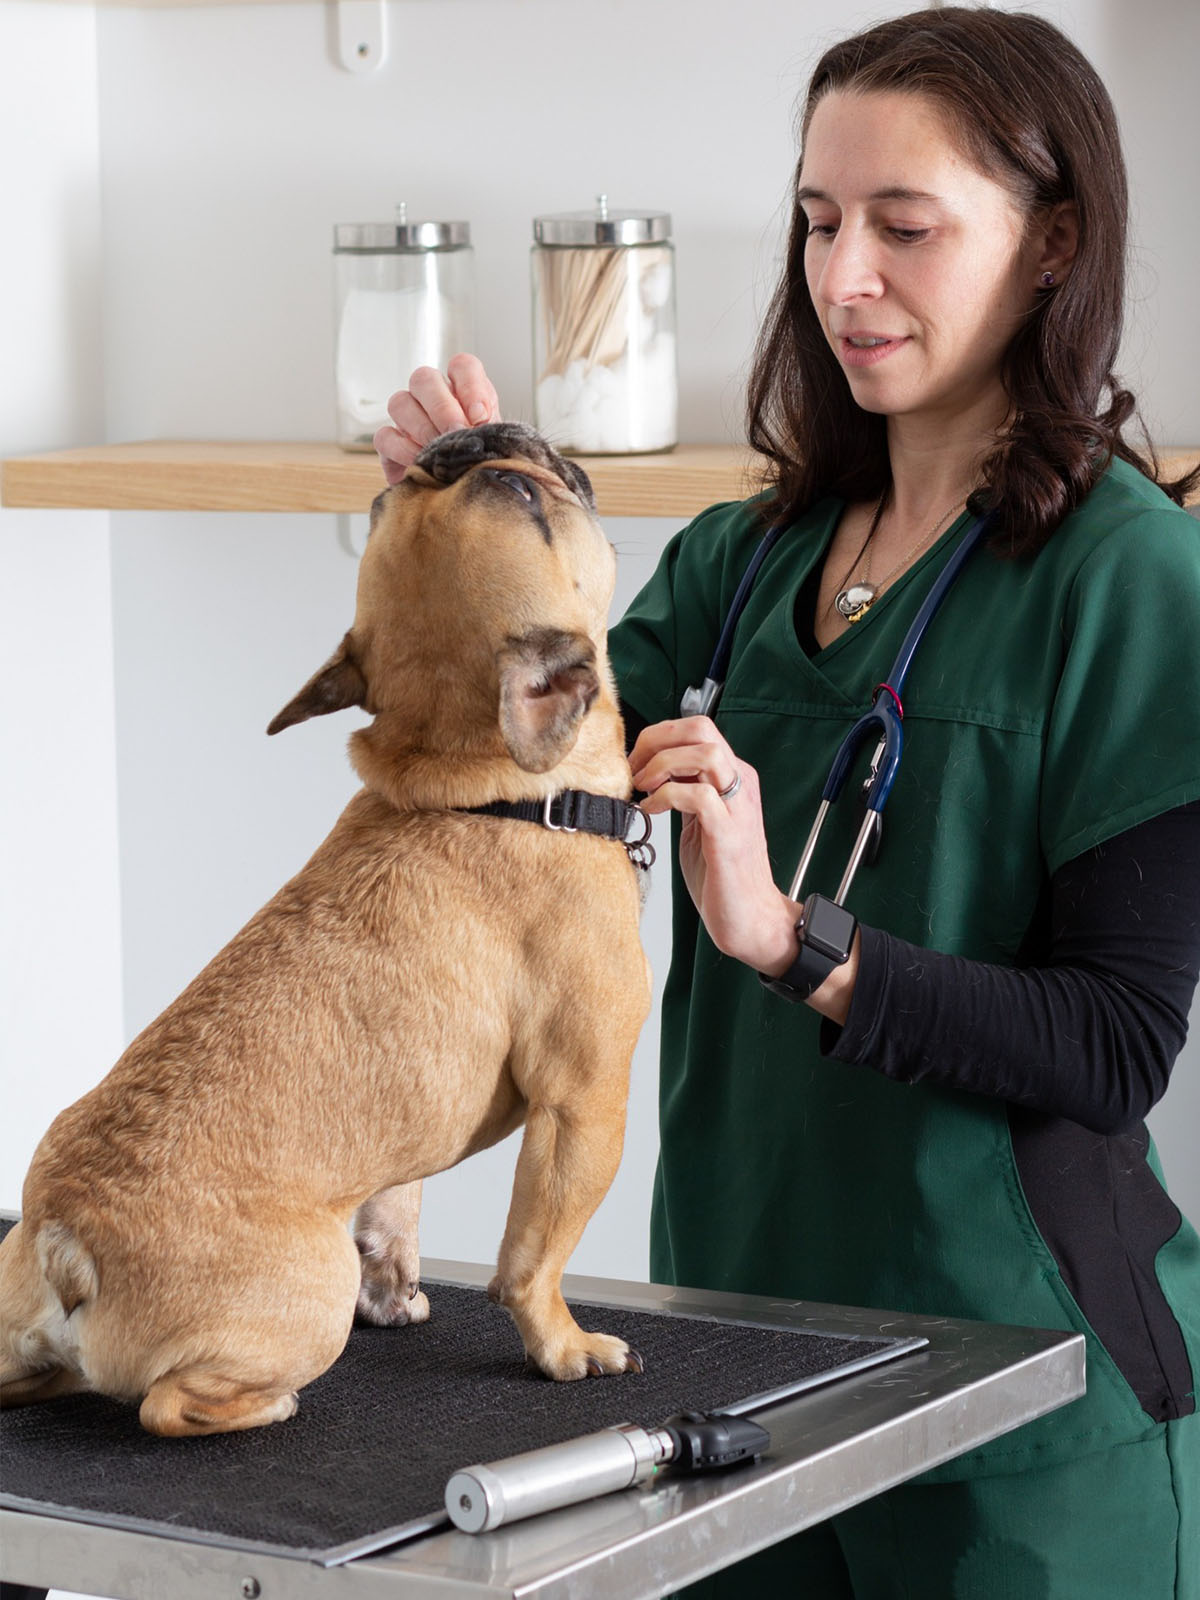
821	230
910	235
514	480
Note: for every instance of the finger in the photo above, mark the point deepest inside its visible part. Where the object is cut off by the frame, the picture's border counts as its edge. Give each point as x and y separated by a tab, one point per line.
683	765
473	389
698	801
431	391
396	452
677	733
689	764
411	421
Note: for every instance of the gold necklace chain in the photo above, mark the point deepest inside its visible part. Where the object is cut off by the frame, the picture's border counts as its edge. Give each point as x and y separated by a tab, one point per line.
854	600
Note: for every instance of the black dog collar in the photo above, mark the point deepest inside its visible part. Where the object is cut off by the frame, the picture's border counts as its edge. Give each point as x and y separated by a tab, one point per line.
577	811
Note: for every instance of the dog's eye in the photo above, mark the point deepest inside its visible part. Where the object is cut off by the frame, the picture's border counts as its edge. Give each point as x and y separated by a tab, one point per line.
524	488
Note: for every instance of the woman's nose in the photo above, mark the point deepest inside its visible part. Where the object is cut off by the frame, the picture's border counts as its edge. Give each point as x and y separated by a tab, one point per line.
850	270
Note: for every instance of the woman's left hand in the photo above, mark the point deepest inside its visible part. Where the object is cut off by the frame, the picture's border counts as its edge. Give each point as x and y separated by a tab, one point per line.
687	766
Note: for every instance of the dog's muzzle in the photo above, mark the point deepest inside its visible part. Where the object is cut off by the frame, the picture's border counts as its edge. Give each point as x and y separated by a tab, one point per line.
447	459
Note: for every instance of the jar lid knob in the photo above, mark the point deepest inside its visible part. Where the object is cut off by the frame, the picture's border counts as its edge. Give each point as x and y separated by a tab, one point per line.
602	207
402	212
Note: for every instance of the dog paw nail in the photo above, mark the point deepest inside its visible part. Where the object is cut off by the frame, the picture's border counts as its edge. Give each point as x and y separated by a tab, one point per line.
595	1370
634	1362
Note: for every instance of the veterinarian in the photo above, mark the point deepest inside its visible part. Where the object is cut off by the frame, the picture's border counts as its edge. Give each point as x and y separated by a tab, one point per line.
951	1121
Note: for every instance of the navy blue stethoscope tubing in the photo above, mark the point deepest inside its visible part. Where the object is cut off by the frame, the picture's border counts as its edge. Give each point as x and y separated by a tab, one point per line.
719	665
884	718
968	542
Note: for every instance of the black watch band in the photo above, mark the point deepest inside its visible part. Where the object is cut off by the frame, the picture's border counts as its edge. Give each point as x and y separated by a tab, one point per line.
826	932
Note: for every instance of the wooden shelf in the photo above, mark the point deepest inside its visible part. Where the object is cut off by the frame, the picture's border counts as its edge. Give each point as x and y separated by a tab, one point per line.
162	475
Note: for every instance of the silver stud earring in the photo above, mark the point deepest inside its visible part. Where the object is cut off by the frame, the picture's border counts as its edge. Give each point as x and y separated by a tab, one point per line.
1047	280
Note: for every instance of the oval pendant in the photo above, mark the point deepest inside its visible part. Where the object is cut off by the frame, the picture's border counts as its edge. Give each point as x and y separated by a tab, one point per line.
856	601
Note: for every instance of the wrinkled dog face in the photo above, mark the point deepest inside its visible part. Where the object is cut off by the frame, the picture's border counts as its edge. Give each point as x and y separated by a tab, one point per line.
490	529
486	582
454	454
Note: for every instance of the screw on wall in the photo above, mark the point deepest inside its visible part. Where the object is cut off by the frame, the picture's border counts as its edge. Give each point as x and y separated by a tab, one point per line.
361	34
251	1589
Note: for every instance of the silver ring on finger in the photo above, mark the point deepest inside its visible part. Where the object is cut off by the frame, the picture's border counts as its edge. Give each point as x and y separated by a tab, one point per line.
731	788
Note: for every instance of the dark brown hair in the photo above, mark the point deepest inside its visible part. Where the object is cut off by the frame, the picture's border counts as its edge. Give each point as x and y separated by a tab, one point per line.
1032	114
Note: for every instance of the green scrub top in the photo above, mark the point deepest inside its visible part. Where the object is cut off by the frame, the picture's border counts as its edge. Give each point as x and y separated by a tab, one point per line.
1054	703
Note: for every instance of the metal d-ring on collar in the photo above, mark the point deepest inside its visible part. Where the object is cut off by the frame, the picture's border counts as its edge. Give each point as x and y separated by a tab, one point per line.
641	851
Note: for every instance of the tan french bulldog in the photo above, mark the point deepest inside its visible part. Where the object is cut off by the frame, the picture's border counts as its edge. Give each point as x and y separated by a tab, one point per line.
433	978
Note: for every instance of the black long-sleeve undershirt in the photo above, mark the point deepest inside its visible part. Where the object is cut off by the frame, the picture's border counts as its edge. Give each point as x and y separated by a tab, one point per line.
1091	1031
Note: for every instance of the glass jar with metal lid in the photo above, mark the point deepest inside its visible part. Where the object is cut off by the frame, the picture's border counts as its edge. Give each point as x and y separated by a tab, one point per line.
604	330
404	297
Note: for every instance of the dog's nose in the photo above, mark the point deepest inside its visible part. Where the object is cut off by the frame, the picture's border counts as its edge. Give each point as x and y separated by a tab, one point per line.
448	458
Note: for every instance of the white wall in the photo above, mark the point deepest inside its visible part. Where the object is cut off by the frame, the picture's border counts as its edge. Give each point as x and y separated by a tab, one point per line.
230	143
233	142
60	958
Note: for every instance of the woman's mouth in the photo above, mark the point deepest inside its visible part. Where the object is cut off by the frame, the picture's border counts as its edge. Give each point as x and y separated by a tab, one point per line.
866	349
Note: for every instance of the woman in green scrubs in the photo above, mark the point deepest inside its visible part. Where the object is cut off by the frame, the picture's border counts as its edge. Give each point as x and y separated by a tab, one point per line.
950	1119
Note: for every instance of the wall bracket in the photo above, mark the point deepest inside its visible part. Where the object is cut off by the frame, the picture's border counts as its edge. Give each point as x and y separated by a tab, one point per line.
361	34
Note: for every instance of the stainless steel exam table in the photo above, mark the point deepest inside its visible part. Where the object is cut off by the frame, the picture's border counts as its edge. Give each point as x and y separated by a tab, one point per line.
830	1449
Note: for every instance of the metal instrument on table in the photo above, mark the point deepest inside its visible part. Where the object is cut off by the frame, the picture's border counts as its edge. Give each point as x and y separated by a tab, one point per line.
480	1498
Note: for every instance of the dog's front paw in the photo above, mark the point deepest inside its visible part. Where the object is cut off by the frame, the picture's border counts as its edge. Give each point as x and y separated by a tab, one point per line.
590	1355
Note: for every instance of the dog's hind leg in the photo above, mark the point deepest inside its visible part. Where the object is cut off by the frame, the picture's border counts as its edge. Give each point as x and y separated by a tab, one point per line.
385	1231
201	1399
283	1319
195	1401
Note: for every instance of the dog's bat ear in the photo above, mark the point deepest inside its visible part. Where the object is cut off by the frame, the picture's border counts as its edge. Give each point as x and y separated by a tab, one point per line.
336	686
548	681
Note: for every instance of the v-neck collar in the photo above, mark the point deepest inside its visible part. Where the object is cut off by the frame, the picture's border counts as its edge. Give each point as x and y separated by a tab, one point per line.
861	629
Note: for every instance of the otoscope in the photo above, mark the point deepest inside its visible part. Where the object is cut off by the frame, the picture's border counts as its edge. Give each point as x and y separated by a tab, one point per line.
480	1498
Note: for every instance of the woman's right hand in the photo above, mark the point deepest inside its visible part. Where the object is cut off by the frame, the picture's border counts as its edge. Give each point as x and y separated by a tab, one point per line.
434	403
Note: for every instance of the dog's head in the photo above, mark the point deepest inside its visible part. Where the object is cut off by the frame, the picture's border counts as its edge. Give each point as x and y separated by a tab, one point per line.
483	599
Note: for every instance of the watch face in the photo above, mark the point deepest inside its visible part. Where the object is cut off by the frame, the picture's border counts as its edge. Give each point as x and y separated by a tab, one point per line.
828	928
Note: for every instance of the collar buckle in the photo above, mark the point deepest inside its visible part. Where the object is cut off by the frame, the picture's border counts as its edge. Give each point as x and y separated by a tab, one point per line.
562	826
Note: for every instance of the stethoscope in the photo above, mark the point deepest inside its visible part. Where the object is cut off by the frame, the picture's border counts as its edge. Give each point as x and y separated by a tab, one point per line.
884	720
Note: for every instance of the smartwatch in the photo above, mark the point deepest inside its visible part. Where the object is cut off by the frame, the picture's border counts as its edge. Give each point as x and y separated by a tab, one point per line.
826	932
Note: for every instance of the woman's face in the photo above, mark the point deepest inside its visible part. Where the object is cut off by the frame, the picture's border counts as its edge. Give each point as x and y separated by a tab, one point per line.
917	263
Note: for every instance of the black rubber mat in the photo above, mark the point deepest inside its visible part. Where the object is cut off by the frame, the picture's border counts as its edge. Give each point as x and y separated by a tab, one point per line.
366	1459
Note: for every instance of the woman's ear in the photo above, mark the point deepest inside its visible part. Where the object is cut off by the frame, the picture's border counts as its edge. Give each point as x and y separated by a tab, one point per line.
1059	243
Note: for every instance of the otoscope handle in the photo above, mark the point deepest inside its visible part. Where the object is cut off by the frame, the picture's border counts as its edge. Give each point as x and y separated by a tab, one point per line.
482	1497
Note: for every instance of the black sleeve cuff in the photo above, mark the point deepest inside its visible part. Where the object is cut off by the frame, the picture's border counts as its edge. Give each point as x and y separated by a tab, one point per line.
856	1040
